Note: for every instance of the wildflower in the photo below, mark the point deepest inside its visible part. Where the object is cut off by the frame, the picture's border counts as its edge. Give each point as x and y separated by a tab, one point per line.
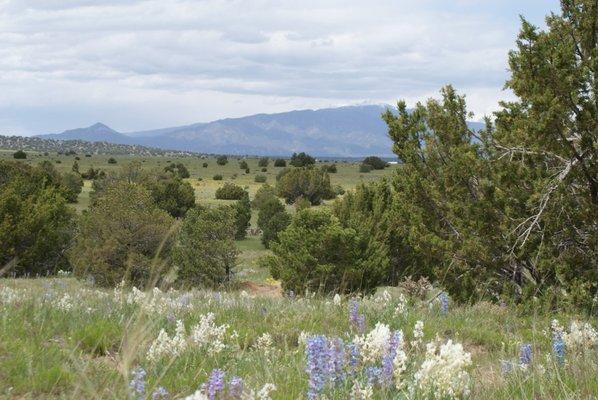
401	305
159	393
506	367
374	375
525	355
264	392
418	334
264	343
375	344
336	300
215	384
389	357
357	320
137	384
317	364
580	336
336	356
443	374
208	335
361	393
353	351
399	366
444	303
558	349
235	387
166	346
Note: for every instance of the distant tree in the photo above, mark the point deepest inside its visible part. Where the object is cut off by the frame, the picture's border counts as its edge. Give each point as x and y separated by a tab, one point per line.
178	169
243	164
266	214
280	162
222	160
230	191
19	155
205	165
260	178
330	168
217	177
75	167
120	236
112	160
242	216
316	253
301	160
311	183
36	224
264	193
365	168
263	162
375	162
171	193
275	225
205	252
72	185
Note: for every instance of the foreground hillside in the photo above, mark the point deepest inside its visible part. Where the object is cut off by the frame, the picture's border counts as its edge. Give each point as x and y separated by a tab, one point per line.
62	338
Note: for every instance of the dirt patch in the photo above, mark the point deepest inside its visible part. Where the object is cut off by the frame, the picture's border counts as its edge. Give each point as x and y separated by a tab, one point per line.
262	289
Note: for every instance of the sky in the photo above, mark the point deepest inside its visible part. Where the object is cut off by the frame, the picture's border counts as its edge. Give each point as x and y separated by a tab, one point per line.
146	64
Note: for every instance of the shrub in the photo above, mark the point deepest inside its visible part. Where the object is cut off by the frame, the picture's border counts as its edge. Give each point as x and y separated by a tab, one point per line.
242	216
178	169
171	193
315	252
120	236
302	160
365	168
87	155
230	191
311	183
264	193
264	170
280	162
19	155
205	165
260	178
35	222
275	225
330	168
243	165
301	204
375	162
217	177
222	160
270	221
205	251
263	162
72	184
338	190
247	171
112	160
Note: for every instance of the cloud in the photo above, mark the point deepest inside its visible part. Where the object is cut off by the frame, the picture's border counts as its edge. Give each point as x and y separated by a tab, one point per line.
138	64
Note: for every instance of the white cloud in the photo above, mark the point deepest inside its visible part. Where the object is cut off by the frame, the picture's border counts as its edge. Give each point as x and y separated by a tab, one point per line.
147	64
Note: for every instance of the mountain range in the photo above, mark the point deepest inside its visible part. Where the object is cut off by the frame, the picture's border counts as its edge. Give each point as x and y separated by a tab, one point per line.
350	131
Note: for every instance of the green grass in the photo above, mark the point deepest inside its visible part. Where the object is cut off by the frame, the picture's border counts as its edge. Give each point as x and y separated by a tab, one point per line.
89	350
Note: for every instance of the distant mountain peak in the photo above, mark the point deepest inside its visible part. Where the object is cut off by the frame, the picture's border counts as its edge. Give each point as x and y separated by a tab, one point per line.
99	125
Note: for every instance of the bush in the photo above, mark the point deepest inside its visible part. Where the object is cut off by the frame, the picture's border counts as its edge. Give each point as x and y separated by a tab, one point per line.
112	160
301	204
264	170
171	193
270	220
264	193
242	216
19	155
243	164
302	160
230	191
205	165
375	162
339	190
280	162
275	225
178	169
119	237
217	177
205	251
263	162
260	178
247	171
365	168
315	252
330	168
311	183
72	184
35	222
222	160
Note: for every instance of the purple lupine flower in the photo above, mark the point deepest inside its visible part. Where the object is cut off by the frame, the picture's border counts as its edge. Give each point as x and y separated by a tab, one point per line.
317	363
357	320
137	384
336	354
373	375
525	354
506	367
389	357
353	351
159	393
170	317
444	303
215	384
558	349
235	387
217	297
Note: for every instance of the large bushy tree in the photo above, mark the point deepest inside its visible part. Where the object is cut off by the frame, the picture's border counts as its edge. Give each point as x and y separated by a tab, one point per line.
310	183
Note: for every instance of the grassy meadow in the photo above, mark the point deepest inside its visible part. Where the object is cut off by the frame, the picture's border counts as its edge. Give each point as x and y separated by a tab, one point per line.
62	338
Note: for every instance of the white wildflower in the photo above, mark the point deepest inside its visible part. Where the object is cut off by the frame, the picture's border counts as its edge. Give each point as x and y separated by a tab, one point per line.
401	305
198	395
375	344
418	334
165	346
580	336
443	373
208	335
264	343
400	366
336	300
264	392
65	303
361	393
9	296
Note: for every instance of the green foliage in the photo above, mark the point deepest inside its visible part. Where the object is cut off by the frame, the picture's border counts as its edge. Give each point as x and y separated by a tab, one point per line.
330	168
178	169
205	252
375	162
263	162
338	190
75	167
19	155
217	177
264	193
260	178
268	208
280	162
365	168
72	184
242	216
35	223
315	252
112	160
311	183
123	236
93	174
204	165
301	204
222	160
272	218
243	165
276	224
99	337
230	191
301	160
